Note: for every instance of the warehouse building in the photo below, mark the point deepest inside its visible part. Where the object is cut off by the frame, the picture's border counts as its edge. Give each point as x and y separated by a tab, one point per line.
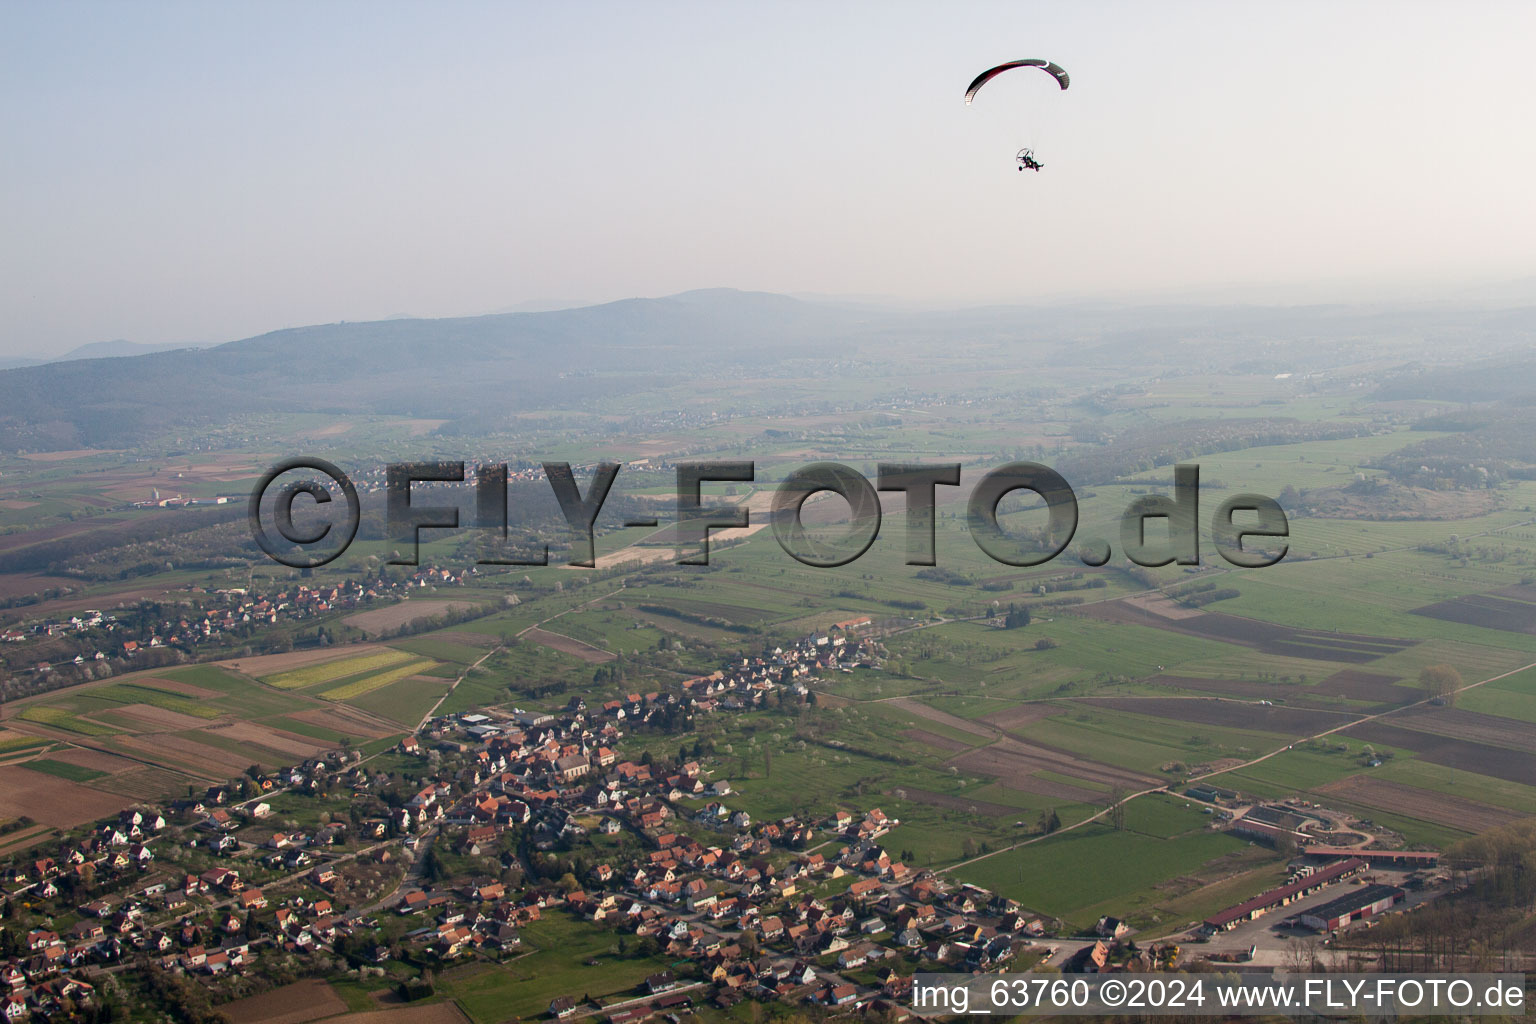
1410	859
1282	896
1366	901
1266	833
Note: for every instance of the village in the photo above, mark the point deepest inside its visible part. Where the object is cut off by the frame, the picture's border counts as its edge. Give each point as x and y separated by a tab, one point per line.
136	638
481	823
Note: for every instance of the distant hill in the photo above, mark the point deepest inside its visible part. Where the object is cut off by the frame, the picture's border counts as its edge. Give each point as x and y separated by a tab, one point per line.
442	369
114	350
1494	380
94	350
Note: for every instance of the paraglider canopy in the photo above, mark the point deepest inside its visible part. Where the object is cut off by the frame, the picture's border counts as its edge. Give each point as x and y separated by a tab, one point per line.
1054	70
1025	157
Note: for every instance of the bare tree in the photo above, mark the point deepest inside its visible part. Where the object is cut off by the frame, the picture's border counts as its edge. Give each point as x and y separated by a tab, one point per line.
1441	681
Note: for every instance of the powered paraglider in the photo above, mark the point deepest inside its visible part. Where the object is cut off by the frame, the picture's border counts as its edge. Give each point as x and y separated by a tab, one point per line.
1025	157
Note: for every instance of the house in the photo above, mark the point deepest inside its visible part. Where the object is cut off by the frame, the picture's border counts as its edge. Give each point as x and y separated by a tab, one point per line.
855	956
839	995
1088	960
1111	928
864	888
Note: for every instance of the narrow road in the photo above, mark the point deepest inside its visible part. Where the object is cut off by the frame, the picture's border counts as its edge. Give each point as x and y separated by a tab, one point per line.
409	879
432	711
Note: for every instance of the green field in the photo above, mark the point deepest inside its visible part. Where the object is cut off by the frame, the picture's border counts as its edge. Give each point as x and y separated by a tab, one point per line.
63	769
476	690
137	693
1095	870
373	682
557	949
403	702
430	646
329	671
58	718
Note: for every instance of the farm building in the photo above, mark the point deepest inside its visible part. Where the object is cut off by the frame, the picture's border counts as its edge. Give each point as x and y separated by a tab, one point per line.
1279	817
1282	896
1415	859
1367	901
1265	833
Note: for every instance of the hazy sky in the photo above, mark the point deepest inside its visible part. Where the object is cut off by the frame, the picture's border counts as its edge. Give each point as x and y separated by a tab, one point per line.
201	172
